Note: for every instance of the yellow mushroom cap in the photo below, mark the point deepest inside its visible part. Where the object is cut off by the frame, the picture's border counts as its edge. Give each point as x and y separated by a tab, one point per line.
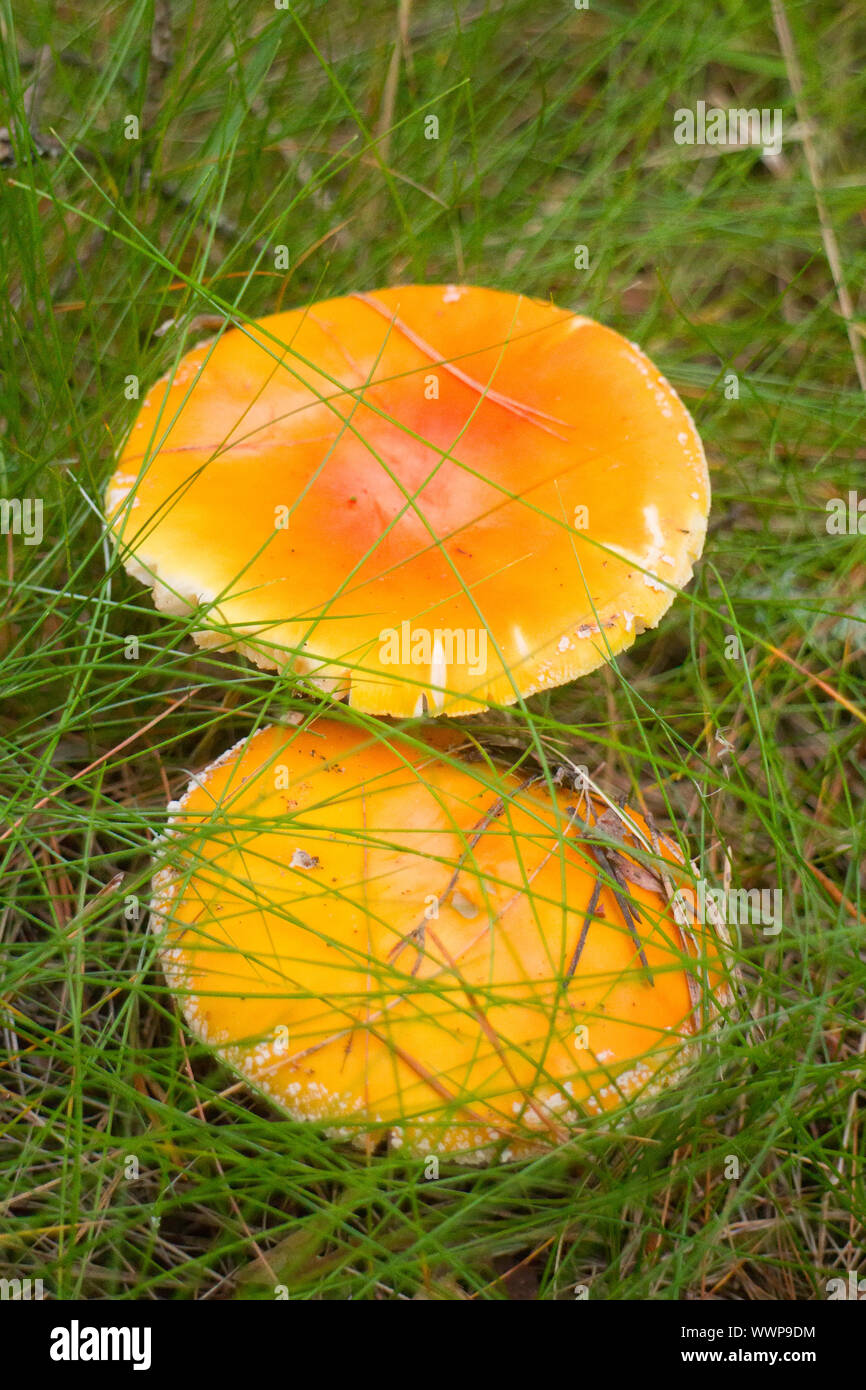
402	945
427	498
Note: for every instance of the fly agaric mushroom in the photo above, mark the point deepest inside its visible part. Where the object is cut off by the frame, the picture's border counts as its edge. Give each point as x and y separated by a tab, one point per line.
379	939
429	498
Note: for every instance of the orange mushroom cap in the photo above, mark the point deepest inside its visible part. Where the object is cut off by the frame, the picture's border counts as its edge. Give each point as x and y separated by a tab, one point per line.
428	498
380	937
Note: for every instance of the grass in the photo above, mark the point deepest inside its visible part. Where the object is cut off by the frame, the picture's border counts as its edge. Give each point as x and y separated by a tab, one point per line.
134	1166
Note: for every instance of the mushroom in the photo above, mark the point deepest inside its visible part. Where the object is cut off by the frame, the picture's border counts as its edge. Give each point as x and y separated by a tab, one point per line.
379	939
428	498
